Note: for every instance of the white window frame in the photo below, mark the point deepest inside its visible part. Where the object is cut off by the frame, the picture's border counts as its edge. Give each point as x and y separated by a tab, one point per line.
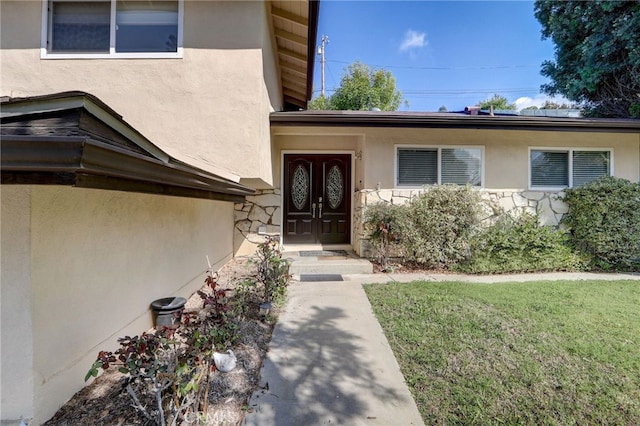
47	28
569	152
439	149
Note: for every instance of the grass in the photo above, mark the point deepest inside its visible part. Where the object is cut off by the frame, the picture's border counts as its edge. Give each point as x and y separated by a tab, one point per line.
559	352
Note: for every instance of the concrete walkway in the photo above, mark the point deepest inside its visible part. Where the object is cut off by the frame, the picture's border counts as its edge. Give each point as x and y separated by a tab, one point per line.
330	363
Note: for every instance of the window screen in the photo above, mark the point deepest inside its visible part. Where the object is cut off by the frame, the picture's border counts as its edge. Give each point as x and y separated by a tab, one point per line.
417	166
549	168
589	166
461	166
80	27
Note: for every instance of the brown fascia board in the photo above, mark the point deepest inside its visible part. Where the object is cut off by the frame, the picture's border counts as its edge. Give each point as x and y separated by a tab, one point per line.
448	121
314	13
87	162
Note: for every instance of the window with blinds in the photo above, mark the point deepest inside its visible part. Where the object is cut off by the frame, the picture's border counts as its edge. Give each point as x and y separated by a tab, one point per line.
430	166
567	168
461	166
417	166
589	166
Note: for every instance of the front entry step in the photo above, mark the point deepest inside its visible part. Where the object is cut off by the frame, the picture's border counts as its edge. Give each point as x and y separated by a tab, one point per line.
327	262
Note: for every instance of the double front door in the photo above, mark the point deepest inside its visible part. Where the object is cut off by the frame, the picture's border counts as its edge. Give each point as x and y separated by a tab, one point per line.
317	198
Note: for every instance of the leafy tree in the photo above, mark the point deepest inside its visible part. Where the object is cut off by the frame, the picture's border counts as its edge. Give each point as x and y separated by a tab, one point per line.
498	102
597	55
361	89
554	105
442	109
320	103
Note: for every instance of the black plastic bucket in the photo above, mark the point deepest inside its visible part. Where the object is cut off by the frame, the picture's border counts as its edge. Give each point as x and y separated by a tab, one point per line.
166	310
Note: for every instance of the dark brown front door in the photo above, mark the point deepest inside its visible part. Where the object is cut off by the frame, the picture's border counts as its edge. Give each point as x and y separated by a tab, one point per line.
317	198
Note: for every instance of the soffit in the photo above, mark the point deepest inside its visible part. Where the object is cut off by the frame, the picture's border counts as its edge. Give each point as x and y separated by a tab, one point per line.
294	26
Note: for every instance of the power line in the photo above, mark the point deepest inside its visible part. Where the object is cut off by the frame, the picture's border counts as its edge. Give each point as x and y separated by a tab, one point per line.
469	91
416	93
478	67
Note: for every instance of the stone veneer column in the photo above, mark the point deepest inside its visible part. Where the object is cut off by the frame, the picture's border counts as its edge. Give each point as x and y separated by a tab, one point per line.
259	215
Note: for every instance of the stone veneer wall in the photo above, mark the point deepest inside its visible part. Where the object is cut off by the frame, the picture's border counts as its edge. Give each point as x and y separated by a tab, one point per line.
263	210
548	205
258	211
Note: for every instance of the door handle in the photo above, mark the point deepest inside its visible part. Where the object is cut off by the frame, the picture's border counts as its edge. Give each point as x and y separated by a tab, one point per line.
320	206
313	212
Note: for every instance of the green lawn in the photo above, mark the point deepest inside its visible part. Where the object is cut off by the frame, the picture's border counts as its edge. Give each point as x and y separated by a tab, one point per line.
564	352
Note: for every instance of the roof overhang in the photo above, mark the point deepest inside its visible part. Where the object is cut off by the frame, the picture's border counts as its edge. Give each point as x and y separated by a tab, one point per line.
448	121
73	138
295	27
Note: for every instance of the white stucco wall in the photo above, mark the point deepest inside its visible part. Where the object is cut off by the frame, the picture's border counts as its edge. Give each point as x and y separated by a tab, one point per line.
97	260
506	152
209	108
16	335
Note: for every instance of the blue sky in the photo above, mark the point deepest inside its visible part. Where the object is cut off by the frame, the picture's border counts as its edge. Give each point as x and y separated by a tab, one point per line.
451	53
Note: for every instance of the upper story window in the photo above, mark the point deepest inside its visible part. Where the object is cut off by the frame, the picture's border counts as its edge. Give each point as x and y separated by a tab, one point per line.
113	28
561	168
417	166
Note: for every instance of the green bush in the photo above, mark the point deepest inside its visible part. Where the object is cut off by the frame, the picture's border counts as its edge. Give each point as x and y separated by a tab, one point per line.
272	270
520	245
604	222
438	223
383	222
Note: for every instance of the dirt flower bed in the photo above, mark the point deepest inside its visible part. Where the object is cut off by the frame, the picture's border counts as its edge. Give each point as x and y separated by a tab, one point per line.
106	402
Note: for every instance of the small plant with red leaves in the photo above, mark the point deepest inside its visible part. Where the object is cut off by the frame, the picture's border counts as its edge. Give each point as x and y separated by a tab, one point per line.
171	366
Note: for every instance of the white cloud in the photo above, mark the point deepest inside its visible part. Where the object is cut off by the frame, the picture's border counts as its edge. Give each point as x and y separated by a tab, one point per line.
539	100
413	40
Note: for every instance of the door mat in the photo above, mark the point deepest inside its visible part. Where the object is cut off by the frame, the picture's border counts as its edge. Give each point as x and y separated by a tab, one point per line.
320	277
323	253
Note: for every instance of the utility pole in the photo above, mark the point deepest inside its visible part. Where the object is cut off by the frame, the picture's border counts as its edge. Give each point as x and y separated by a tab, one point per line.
324	41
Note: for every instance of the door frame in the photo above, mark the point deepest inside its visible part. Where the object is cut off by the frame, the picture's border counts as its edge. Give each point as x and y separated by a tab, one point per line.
351	186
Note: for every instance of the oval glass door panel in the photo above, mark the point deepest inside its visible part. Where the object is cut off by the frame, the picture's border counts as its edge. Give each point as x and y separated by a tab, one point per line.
300	187
335	182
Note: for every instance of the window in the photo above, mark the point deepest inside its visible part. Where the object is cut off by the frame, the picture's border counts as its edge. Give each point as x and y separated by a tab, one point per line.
430	166
550	168
112	28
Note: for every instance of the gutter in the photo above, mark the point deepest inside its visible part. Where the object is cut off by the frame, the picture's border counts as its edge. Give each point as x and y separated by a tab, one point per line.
86	163
448	121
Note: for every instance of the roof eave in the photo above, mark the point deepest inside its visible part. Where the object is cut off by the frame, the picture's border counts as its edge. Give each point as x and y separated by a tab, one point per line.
417	120
87	163
314	14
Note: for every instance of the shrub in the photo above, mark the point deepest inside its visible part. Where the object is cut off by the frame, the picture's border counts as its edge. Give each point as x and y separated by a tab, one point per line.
383	221
520	244
439	223
272	270
604	222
